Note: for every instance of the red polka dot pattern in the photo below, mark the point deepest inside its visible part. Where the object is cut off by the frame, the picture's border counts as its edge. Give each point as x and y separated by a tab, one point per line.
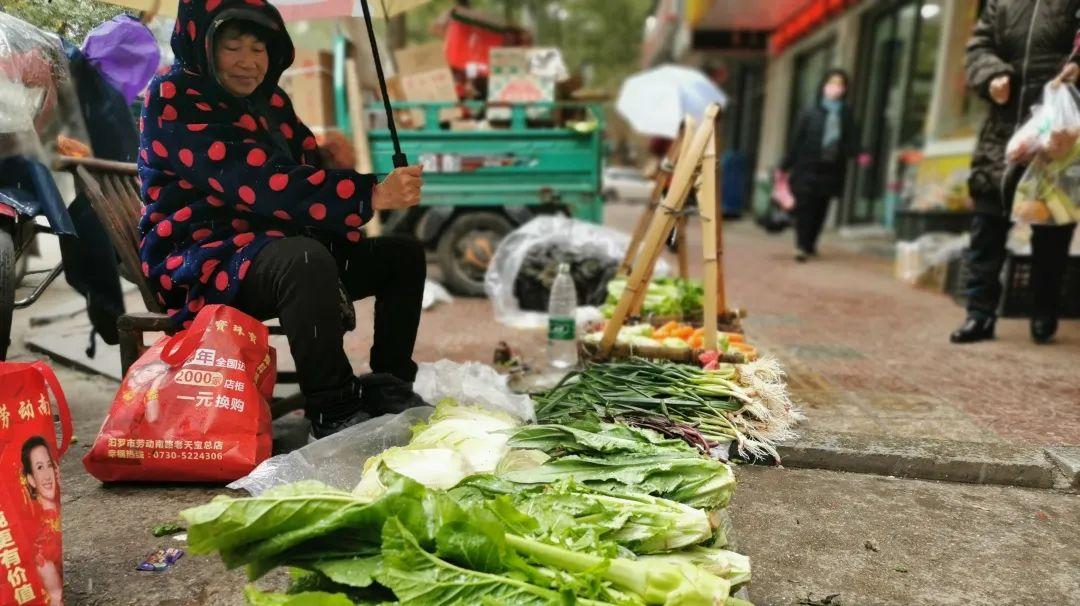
247	194
256	157
159	149
217	186
317	211
216	152
186	157
317	177
182	215
167	90
345	189
279	182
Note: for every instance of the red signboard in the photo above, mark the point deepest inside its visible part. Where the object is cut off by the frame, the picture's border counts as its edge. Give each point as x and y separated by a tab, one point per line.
805	21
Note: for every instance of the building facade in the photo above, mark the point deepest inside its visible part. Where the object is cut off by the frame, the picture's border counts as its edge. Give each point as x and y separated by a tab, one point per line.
916	119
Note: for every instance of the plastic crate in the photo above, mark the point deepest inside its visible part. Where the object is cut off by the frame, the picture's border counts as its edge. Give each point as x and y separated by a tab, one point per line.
910	224
1017	297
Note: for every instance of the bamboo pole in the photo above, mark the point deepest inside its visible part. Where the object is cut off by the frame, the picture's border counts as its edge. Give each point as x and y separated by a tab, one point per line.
706	196
680	247
689	126
663	220
660	181
716	173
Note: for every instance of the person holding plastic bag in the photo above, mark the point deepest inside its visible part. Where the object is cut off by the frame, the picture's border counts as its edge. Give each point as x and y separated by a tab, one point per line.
1017	48
240	210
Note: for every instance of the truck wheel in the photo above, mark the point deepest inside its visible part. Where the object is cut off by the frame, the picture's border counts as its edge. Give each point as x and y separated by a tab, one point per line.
466	247
8	282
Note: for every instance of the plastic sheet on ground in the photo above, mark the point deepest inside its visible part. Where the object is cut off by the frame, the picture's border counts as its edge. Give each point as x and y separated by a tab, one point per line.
573	234
338	460
472	383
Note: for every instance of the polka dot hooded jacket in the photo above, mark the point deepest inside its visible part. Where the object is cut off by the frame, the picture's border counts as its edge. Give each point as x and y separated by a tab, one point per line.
222	176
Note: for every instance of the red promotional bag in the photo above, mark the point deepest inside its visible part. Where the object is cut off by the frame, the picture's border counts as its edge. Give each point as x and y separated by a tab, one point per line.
31	551
194	407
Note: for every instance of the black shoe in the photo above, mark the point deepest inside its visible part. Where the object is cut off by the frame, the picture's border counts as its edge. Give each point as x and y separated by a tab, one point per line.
323	426
385	394
1043	329
974	329
341	408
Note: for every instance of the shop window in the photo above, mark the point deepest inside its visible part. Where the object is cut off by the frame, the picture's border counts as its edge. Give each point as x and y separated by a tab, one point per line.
810	68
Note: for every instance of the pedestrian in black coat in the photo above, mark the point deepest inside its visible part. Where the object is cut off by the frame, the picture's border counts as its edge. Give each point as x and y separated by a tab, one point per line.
1018	46
823	141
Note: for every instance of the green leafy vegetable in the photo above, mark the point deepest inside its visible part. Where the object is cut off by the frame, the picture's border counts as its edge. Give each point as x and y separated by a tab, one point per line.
308	598
732	566
419	578
616	457
571	511
669	583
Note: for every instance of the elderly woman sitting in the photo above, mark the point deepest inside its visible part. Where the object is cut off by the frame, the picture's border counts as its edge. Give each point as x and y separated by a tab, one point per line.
240	211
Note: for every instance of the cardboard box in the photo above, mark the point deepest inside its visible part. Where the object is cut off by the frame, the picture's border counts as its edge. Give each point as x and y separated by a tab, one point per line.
309	82
525	75
425	76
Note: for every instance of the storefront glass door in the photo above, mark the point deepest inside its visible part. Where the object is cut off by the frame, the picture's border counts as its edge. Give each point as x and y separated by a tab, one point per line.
893	83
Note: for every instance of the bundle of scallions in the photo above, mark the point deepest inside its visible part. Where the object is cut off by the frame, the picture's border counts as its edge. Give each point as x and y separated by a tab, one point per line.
745	403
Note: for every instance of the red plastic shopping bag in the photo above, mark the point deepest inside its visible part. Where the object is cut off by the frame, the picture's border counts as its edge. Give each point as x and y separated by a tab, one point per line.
31	551
194	407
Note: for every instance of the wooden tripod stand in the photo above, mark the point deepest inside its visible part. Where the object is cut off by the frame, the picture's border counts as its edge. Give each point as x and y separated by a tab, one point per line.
695	166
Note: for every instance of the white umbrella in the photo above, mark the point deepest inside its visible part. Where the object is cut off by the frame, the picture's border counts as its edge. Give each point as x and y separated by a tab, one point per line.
656	101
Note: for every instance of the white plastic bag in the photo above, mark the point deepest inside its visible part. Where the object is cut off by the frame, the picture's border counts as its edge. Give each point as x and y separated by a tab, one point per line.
925	260
434	293
572	234
1052	131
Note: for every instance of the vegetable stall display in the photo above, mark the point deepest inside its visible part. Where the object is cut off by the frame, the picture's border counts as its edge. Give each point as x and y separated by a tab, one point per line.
581	512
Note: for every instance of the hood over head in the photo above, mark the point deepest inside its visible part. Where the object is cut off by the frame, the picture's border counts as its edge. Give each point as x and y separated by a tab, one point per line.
197	22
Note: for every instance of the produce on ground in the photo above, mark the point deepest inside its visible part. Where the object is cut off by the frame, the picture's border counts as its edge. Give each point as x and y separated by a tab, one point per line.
676	297
618	458
743	403
420	546
674	335
457	441
478	509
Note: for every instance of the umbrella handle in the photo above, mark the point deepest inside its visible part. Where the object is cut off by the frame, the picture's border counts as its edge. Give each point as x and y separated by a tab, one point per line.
400	160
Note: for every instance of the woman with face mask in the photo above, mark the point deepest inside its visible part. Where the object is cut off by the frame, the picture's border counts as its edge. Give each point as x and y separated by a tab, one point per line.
823	141
241	210
42	480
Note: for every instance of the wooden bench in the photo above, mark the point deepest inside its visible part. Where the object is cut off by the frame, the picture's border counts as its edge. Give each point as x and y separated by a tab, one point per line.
113	191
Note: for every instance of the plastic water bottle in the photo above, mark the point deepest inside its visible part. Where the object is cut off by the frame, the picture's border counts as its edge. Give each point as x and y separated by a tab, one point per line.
562	347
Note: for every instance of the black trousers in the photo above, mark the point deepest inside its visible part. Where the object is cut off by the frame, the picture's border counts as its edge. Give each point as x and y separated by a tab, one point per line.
810	213
986	257
296	279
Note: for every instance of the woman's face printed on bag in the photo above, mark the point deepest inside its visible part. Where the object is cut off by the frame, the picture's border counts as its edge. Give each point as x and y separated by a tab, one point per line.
146	374
42	477
241	61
